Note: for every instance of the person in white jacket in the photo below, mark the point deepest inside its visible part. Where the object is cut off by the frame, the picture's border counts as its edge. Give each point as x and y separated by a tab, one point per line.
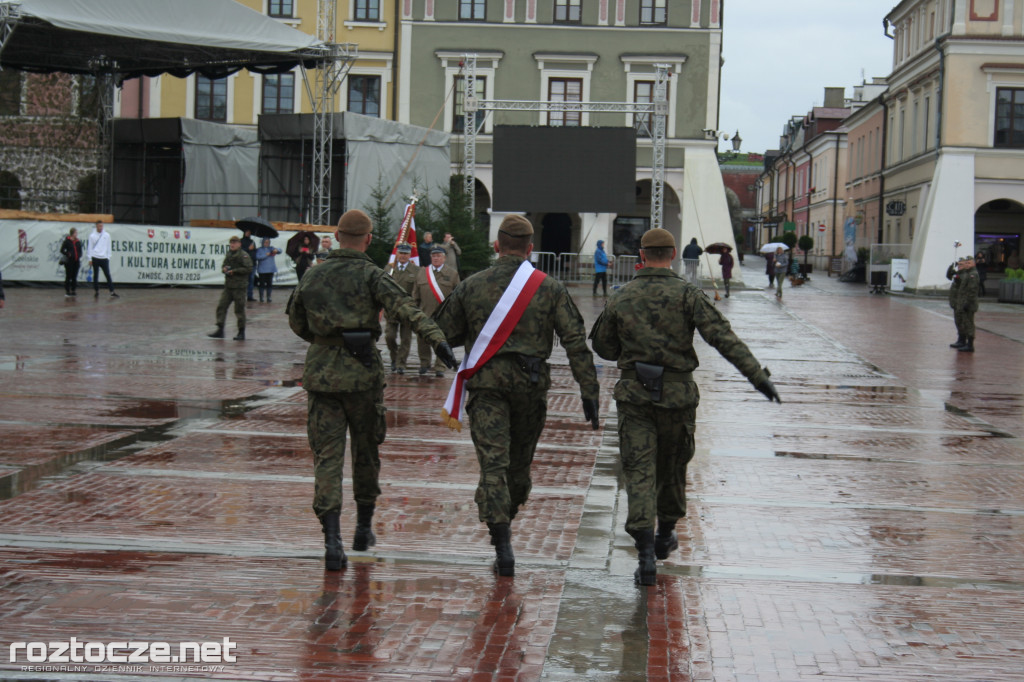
98	251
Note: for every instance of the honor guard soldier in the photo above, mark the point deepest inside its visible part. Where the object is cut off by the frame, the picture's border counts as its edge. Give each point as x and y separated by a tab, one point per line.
963	299
397	334
236	267
647	327
506	317
336	308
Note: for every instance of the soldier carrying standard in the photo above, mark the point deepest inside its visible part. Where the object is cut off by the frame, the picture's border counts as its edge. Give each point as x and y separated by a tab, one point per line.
336	307
398	334
648	328
236	268
506	375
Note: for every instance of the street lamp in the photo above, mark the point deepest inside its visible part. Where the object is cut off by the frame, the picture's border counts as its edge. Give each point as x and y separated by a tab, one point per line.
736	141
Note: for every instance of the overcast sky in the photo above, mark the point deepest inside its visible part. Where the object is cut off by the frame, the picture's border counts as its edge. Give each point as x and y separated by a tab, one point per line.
780	56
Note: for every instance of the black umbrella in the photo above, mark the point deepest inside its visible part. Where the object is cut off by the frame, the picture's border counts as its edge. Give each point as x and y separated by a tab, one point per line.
260	227
295	243
718	247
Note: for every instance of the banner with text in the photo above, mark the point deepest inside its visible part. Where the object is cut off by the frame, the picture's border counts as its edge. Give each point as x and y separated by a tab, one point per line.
141	254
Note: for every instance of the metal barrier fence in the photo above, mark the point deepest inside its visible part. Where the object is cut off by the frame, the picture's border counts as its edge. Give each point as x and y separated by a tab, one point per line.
577	268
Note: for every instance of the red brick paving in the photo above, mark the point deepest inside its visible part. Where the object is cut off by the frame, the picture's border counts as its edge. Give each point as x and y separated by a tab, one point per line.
868	528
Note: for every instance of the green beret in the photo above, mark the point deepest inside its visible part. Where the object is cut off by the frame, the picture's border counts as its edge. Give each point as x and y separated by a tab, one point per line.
657	237
355	222
516	226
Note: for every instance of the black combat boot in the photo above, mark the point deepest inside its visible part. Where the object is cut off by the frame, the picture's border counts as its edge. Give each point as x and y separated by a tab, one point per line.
968	346
364	536
334	555
501	538
218	333
647	571
960	341
665	542
240	336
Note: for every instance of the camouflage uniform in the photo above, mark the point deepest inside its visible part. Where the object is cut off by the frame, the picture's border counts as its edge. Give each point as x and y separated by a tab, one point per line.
398	335
506	409
652	320
346	293
236	282
447	280
964	300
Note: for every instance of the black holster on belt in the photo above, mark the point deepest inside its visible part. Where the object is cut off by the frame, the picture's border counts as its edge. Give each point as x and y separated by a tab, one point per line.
651	377
530	365
359	343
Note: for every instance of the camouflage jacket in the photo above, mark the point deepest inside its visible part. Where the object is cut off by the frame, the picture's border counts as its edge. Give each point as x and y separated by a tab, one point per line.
241	266
345	293
447	279
954	287
551	311
968	285
652	320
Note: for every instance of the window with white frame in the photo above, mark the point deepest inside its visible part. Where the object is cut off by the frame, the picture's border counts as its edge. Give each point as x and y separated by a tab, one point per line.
366	10
211	99
565	90
472	10
567	11
1009	118
653	11
459	111
364	95
281	9
278	93
454	70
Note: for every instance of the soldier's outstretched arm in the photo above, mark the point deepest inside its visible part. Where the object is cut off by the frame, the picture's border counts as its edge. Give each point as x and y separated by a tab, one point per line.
398	305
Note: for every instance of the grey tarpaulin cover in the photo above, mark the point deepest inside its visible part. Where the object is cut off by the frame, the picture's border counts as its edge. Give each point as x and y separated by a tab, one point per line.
220	170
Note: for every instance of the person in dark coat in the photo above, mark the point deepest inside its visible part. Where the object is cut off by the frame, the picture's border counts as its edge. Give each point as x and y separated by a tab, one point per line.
726	261
691	260
71	249
769	268
305	257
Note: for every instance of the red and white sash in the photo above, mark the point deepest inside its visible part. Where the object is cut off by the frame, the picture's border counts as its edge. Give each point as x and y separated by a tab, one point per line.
495	333
435	288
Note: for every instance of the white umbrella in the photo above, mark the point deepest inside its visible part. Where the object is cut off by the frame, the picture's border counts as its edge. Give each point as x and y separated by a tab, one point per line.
771	246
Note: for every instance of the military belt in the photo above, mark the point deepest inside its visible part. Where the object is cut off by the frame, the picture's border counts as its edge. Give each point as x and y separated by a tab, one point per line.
329	340
669	375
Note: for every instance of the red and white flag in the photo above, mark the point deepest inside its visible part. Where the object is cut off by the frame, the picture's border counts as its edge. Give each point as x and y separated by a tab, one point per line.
406	233
503	319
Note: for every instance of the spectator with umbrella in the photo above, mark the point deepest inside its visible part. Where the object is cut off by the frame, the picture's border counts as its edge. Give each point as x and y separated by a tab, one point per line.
253	226
302	248
266	268
725	259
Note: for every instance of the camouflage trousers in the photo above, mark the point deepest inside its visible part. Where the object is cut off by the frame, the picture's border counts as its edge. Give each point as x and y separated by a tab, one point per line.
398	337
505	429
964	320
655	445
227	297
331	415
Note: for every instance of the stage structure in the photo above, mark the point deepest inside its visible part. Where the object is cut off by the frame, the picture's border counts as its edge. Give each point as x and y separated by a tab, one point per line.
115	40
656	110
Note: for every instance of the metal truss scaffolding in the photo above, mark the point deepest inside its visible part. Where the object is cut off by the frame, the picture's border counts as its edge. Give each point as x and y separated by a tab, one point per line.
656	112
9	15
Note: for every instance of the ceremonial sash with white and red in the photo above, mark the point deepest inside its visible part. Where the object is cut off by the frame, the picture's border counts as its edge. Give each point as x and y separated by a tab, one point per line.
435	288
495	333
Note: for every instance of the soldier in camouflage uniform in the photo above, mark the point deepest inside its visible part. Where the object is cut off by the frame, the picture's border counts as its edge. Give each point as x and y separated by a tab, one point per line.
336	307
236	268
398	335
507	397
963	298
648	328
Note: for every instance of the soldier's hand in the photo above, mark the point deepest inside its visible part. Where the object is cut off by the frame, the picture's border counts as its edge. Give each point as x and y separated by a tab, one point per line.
765	385
444	351
590	408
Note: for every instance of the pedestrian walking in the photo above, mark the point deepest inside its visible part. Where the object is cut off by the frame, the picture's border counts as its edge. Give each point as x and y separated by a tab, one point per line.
647	328
71	255
266	268
236	268
781	267
398	334
601	268
98	251
691	260
336	308
506	316
963	298
769	268
726	261
433	284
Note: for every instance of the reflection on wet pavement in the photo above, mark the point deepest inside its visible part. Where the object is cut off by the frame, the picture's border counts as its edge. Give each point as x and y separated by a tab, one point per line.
155	483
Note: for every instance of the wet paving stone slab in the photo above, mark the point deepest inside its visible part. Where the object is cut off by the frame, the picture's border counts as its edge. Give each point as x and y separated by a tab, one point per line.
288	619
